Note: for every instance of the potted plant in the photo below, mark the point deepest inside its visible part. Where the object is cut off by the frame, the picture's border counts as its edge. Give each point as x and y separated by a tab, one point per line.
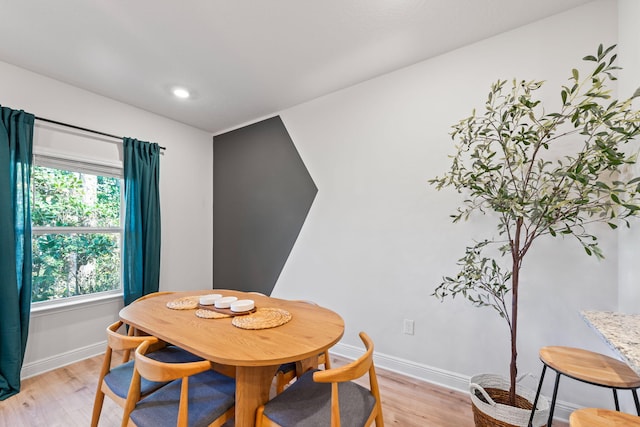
507	165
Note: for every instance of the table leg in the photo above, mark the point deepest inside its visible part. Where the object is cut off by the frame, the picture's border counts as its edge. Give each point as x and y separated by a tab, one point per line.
252	390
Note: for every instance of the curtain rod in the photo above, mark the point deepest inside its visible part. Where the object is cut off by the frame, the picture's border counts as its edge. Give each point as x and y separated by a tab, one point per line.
84	129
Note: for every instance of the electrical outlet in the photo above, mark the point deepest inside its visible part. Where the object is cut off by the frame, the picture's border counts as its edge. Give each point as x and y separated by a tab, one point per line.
408	326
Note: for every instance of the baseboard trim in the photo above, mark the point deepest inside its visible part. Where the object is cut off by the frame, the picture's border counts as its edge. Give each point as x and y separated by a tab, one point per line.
441	377
59	360
419	371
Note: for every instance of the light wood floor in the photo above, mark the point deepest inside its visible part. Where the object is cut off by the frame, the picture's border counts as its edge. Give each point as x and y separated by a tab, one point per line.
64	397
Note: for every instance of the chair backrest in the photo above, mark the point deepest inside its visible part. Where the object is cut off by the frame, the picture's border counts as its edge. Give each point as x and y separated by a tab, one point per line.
154	370
323	358
288	371
352	371
154	294
120	342
306	301
133	331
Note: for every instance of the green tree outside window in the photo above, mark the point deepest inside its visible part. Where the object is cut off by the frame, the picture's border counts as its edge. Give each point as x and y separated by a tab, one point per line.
76	237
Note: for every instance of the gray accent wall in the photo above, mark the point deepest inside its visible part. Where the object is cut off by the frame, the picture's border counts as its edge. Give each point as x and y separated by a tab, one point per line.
262	194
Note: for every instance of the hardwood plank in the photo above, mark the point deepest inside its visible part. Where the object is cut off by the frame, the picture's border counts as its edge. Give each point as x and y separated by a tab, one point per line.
64	397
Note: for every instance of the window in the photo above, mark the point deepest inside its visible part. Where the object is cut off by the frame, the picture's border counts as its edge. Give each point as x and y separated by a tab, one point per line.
76	221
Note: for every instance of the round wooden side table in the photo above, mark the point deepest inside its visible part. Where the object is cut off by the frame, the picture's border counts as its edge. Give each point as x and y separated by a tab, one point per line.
590	417
588	367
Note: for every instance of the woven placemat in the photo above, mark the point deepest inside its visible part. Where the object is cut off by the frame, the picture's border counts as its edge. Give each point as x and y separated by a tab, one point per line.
263	318
184	303
210	314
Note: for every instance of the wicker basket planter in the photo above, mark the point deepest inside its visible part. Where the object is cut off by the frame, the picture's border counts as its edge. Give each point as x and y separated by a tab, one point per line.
490	396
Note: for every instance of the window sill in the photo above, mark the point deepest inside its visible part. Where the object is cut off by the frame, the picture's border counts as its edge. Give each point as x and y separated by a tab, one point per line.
74	304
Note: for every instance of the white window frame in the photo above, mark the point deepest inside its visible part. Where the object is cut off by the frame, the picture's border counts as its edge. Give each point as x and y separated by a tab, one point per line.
94	168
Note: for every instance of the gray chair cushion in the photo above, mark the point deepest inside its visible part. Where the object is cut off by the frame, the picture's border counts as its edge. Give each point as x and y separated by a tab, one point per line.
307	403
287	367
210	395
119	378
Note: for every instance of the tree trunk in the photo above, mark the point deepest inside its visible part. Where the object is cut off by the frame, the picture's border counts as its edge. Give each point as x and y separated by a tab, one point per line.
514	332
515	279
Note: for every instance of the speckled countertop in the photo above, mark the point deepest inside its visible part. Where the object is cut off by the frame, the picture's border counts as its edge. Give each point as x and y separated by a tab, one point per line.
621	331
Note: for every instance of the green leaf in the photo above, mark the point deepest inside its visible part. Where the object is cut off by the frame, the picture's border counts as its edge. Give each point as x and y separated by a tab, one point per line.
575	74
600	67
609	49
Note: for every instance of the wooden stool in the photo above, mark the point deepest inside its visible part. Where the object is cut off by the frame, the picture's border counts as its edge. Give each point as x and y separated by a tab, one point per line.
589	367
590	417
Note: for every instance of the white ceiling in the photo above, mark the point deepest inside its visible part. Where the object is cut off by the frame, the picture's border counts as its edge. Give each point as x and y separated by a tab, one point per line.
245	59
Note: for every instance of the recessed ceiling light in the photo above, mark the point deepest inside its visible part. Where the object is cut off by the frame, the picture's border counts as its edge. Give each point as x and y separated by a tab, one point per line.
181	93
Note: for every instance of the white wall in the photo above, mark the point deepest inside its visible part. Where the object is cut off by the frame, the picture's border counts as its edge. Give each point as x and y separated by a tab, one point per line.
64	335
378	238
629	40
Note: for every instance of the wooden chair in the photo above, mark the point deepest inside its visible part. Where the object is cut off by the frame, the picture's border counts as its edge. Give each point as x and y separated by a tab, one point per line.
154	294
196	395
590	417
287	371
589	367
114	382
329	397
136	332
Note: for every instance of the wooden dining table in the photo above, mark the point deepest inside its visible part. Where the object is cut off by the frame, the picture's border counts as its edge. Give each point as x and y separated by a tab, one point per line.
254	355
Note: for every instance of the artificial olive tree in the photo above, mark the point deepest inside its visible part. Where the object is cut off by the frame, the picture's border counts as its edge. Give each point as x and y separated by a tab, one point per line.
507	165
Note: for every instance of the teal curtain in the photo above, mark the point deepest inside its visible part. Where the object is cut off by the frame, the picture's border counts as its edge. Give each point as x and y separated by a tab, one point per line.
141	247
16	154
